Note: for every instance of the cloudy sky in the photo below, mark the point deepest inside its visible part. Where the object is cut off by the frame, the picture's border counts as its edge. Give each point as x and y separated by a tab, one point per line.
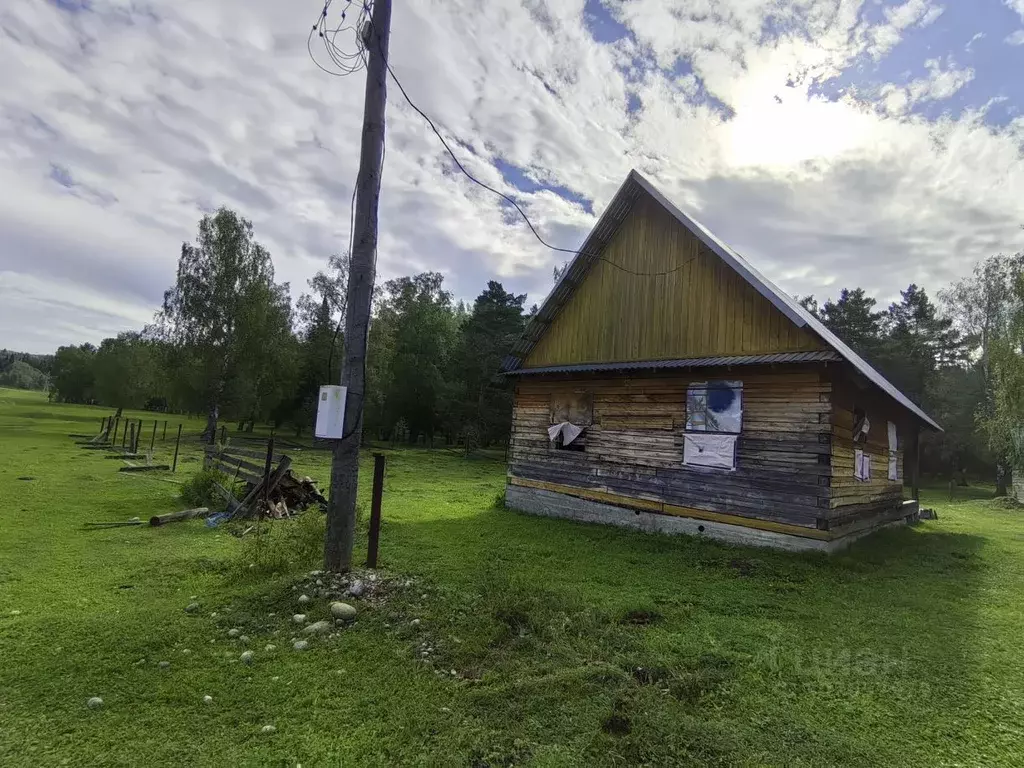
832	142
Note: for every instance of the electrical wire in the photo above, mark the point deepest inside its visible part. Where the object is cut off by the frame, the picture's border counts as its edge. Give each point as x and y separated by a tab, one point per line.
508	199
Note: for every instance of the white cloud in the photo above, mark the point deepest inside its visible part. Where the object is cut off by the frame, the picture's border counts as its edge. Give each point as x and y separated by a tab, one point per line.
158	111
1017	38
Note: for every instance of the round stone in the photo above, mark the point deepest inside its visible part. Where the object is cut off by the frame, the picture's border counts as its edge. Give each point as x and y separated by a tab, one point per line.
317	628
94	703
191	607
299	618
246	657
270	648
357	589
234	632
343	611
164	665
243	639
207	699
300	645
268	729
303	599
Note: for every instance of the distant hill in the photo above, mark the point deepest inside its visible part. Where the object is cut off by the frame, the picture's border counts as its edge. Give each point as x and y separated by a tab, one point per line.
23	370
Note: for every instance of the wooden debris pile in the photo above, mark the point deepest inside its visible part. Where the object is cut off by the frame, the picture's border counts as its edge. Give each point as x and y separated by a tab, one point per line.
269	488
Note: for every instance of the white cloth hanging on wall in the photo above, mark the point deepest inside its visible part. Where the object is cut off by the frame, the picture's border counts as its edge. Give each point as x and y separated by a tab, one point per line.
861	465
704	450
894	470
566	429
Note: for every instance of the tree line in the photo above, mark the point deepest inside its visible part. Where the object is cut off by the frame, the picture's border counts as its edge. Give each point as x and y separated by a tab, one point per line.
22	370
229	343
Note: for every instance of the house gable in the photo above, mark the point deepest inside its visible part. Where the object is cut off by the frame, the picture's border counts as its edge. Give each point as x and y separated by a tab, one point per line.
685	303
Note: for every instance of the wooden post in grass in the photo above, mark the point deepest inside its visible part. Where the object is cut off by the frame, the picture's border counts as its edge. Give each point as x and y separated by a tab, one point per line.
223	434
138	435
131	442
103	424
124	433
164	437
378	492
177	443
152	440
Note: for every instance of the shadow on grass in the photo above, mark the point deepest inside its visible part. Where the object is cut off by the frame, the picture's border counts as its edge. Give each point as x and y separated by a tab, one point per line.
750	654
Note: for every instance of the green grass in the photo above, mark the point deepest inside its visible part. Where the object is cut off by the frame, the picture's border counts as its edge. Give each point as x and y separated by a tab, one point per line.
572	644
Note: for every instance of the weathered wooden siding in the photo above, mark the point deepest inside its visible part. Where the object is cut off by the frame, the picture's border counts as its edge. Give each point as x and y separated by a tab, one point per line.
852	498
700	308
634	446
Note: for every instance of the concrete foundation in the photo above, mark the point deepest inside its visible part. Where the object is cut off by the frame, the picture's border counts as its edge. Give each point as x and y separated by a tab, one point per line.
550	504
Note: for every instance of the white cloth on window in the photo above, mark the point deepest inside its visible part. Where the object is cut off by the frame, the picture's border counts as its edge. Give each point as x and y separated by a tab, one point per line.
892	437
861	465
705	450
566	429
894	471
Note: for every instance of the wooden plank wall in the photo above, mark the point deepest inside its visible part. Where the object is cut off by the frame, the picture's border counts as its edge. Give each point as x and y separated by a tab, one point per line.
702	307
853	498
634	447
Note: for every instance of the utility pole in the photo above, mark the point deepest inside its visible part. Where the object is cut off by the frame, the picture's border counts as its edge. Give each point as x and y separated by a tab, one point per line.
341	509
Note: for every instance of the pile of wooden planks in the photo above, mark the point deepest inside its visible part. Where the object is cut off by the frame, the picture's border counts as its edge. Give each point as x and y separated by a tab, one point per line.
268	486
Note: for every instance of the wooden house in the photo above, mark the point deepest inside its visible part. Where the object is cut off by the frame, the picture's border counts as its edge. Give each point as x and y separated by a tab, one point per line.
666	385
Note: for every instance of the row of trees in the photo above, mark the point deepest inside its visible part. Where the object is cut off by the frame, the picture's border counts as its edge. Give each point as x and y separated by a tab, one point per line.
22	370
228	342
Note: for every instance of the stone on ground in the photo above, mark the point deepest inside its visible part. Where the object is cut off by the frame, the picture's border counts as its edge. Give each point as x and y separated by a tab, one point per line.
94	702
270	648
357	589
208	699
268	729
246	657
164	665
343	611
303	599
234	632
300	645
299	618
317	628
191	607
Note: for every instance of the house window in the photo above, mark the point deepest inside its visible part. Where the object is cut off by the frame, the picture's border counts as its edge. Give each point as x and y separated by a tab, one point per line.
571	415
714	418
861	458
894	470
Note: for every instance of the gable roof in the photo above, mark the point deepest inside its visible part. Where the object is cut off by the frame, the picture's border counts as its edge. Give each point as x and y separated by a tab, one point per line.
633	188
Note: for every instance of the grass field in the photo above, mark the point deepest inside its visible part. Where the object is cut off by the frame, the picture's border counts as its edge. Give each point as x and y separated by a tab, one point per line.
571	644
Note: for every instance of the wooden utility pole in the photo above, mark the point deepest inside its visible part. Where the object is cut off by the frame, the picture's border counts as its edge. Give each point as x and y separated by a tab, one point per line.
341	509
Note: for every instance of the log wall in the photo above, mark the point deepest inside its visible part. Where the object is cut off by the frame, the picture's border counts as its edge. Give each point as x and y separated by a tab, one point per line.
634	447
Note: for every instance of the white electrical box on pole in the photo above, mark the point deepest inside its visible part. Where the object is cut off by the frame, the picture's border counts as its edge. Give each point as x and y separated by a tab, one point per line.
330	412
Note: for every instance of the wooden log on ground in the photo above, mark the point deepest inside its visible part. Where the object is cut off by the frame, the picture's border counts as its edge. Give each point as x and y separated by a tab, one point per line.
151	468
174	517
125	456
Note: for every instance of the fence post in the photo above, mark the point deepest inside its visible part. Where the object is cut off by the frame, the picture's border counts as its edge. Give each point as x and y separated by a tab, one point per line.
176	444
268	465
378	492
164	437
124	434
152	440
131	440
223	434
